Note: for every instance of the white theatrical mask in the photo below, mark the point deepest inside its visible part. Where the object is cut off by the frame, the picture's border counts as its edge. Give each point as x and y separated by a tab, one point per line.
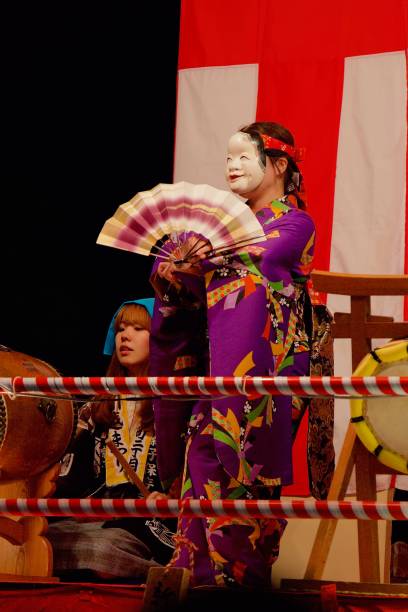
245	170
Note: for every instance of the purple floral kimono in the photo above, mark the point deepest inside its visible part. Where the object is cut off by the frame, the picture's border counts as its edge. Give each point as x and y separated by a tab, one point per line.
244	316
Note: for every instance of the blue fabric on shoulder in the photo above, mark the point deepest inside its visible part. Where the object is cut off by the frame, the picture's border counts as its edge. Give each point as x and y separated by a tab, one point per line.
109	346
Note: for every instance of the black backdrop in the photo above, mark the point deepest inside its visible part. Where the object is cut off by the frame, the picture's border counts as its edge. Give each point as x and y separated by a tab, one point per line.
88	114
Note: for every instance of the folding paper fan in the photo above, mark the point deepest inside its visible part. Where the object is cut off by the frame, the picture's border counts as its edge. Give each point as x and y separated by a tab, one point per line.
177	211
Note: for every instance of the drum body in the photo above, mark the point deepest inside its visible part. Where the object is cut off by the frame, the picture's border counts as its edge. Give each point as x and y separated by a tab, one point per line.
382	422
34	431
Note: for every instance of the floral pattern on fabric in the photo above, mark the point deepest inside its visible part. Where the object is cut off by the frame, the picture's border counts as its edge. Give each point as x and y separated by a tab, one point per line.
238	447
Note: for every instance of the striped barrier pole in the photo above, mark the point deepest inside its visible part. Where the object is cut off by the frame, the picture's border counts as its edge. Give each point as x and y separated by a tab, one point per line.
214	386
165	508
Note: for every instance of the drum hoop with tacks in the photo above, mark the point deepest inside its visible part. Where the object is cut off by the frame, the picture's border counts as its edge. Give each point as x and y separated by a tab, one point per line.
379	421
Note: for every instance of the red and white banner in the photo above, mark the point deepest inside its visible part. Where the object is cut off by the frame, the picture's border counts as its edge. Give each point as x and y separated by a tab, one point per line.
335	73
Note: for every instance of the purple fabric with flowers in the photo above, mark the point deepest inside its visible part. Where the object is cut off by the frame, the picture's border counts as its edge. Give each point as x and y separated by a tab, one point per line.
252	303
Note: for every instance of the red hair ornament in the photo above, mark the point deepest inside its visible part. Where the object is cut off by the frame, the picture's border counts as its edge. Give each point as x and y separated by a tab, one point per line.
297	155
274	143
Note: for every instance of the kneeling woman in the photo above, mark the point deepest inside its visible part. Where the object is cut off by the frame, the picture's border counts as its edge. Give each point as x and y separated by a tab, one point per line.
124	547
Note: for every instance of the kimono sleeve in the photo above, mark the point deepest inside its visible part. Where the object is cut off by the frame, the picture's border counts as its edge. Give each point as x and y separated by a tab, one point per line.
178	347
290	247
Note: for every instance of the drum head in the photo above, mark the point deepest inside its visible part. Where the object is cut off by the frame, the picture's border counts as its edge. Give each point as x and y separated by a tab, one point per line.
382	422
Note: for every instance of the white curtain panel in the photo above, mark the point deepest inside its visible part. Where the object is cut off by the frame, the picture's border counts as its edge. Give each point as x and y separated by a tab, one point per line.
369	205
212	104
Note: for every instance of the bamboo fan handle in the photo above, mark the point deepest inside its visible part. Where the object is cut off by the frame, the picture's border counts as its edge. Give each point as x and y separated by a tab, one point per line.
129	471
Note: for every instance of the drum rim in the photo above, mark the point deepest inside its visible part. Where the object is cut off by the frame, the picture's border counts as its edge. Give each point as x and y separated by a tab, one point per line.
392	352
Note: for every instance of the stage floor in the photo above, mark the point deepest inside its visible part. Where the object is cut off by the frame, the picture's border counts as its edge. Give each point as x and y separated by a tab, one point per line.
83	597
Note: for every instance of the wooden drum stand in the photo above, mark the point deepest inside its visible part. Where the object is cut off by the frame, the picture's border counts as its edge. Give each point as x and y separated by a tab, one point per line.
361	326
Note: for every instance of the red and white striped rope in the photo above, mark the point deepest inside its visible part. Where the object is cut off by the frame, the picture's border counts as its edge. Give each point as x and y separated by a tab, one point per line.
215	386
305	509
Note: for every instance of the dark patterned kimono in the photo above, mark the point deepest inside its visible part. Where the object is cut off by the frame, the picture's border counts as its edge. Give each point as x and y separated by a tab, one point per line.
244	316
